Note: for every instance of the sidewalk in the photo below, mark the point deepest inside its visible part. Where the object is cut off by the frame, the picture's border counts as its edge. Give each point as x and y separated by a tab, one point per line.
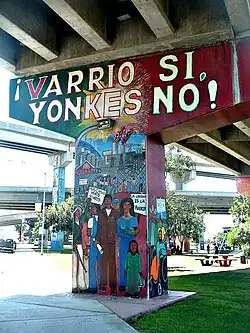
51	314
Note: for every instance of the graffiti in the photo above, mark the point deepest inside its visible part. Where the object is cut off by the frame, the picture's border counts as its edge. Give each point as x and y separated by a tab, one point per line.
109	234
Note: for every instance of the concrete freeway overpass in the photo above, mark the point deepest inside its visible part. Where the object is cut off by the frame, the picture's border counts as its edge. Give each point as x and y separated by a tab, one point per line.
35	140
24	198
13	219
212	202
57	34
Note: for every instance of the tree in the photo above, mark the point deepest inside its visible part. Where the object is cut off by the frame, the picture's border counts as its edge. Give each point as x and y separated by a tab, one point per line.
22	230
185	219
240	234
60	217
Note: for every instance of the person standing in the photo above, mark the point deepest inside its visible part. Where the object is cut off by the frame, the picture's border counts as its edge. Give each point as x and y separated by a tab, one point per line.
208	248
106	238
94	255
127	230
133	269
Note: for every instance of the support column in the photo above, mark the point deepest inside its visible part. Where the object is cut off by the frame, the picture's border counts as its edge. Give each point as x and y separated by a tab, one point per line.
157	216
59	162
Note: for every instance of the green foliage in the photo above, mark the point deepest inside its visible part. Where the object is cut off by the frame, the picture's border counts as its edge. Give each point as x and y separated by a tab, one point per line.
178	164
240	234
185	219
24	228
240	211
59	216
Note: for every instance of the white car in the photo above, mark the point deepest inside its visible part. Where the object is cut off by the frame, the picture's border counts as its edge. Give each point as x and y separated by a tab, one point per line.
36	242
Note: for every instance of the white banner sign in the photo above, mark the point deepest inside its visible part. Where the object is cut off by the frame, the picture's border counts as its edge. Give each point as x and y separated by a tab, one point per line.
96	195
83	181
140	203
160	205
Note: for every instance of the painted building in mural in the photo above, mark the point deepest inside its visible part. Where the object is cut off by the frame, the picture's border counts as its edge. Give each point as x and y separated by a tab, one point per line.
120	219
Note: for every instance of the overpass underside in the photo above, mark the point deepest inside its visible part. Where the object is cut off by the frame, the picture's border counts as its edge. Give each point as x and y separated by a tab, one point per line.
49	35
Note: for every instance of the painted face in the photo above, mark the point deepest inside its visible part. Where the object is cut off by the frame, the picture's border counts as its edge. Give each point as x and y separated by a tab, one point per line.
133	247
126	207
116	206
107	201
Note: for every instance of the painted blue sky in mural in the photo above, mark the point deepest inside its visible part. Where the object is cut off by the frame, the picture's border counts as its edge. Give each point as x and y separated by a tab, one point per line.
135	139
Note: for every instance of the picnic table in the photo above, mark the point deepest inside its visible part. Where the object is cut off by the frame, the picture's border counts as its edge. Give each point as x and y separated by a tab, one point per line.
225	260
207	260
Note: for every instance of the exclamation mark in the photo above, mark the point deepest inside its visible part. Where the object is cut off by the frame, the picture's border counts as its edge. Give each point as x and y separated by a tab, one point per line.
17	94
212	89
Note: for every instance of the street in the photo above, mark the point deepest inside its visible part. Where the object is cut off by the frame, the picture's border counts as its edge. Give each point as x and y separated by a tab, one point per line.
35	297
26	272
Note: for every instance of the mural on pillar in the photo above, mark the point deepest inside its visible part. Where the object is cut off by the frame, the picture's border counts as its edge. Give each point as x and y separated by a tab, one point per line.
110	215
157	247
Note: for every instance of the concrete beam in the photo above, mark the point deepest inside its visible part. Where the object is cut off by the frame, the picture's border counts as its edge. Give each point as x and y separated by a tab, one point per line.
214	155
239	150
244	126
239	14
8	51
85	17
232	133
206	25
30	24
156	16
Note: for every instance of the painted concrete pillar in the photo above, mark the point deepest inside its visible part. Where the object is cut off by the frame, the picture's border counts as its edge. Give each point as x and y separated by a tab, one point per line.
120	219
58	194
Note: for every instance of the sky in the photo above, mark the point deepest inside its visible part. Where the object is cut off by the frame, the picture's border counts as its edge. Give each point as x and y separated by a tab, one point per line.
19	168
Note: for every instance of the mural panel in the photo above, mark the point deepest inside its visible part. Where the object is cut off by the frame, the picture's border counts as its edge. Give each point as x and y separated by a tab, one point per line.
147	94
110	216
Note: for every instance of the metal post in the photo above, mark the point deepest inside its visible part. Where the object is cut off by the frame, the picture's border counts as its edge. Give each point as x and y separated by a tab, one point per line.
43	220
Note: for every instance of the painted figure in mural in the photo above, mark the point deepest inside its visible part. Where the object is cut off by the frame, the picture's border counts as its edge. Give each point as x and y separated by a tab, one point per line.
133	187
106	238
127	229
124	186
133	269
80	248
94	254
161	250
116	204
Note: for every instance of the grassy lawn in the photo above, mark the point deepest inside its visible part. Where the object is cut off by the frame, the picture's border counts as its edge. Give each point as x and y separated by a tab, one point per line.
221	306
49	251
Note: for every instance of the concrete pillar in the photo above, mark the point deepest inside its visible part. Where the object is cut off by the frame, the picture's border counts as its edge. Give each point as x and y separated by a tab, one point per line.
59	163
139	185
156	193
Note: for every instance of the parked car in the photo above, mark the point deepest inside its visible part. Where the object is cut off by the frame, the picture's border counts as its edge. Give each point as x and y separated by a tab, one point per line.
36	242
7	245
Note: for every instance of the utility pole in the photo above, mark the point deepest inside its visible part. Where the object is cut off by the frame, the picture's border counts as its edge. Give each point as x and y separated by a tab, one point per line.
43	220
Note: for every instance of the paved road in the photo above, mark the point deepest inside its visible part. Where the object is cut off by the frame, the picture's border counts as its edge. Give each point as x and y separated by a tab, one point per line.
28	304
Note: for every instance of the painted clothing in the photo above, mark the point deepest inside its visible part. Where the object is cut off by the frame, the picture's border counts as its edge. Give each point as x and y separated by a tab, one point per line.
133	269
161	250
125	233
105	236
94	256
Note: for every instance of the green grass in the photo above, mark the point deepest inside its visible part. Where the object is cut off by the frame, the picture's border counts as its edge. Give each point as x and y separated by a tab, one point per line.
65	251
221	306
